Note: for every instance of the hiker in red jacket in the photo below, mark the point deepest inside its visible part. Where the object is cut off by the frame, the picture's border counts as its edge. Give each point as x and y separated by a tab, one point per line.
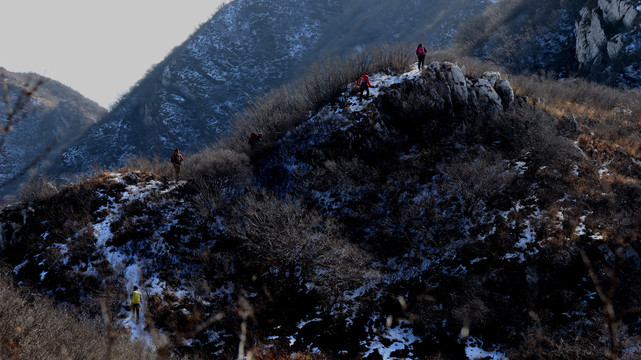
363	85
176	160
421	51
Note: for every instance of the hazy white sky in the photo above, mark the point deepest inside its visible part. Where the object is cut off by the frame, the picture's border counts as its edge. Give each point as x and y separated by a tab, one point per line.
98	47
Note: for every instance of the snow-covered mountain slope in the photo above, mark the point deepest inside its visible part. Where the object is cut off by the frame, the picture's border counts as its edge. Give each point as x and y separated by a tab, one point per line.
247	48
37	124
440	218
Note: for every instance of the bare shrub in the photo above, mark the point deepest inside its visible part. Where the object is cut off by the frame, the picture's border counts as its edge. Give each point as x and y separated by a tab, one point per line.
608	113
220	176
37	189
513	33
159	167
477	179
476	30
295	245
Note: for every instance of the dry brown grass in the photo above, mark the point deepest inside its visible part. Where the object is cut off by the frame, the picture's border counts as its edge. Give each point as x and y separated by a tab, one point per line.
160	168
33	327
578	97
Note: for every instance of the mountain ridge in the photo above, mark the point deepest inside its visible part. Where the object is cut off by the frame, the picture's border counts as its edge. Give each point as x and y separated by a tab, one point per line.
248	47
379	228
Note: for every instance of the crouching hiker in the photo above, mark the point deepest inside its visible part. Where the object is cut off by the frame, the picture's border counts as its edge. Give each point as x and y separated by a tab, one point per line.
136	298
254	138
176	160
363	85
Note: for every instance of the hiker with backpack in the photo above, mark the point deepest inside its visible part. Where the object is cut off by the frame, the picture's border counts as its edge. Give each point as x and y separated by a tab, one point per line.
363	85
421	51
176	160
136	298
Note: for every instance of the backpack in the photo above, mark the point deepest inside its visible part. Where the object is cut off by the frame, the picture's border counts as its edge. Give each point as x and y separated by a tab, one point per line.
175	158
421	51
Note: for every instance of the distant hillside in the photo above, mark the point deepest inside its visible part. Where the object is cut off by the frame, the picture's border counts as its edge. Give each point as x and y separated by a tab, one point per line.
247	48
456	213
52	118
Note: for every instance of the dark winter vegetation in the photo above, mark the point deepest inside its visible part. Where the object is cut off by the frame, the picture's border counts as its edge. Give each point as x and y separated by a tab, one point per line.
416	214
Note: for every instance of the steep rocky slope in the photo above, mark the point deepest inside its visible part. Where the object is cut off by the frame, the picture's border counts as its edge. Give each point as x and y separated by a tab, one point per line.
50	119
246	49
443	217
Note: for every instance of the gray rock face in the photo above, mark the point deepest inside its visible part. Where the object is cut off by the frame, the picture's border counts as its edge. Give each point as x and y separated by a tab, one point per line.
504	89
618	11
590	36
603	34
488	93
454	76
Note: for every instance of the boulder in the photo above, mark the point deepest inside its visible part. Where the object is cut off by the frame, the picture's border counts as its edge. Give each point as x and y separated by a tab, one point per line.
485	92
608	255
615	46
457	82
590	36
505	92
492	77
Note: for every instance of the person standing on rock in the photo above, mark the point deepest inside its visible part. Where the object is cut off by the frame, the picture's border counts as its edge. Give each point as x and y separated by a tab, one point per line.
421	51
176	160
363	85
136	298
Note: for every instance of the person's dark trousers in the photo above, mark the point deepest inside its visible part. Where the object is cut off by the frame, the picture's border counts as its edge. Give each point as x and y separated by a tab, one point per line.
136	311
364	88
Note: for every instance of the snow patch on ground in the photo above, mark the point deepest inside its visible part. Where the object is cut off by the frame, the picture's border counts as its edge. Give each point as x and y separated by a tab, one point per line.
400	337
474	351
380	82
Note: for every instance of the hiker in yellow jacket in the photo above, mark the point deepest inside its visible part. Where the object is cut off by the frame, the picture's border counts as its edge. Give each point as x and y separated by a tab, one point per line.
135	303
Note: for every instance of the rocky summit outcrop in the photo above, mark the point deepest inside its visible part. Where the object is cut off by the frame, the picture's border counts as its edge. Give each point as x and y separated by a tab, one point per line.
489	93
607	39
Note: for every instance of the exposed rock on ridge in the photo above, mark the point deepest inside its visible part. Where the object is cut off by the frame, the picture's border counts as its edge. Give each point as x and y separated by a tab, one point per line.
605	37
